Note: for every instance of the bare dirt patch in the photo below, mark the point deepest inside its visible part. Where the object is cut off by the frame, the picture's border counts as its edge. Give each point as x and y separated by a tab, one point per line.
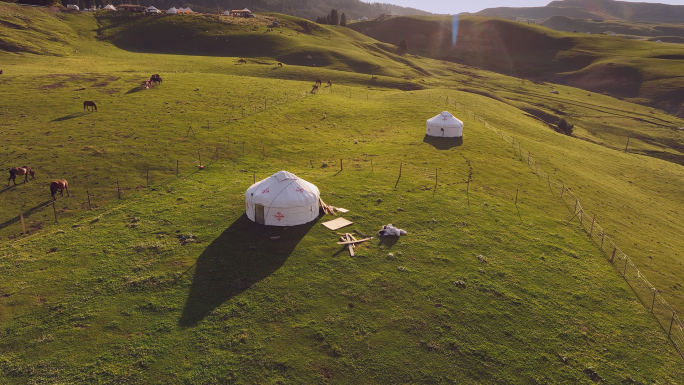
51	86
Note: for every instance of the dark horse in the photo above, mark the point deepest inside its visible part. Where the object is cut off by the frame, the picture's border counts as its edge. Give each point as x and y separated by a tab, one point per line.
156	79
59	185
91	104
319	82
314	88
25	171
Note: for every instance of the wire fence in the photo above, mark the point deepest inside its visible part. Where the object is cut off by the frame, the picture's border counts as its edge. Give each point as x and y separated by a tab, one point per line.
649	296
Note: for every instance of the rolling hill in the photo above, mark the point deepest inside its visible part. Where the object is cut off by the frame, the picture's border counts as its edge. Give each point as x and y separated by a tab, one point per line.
669	33
643	72
595	9
496	282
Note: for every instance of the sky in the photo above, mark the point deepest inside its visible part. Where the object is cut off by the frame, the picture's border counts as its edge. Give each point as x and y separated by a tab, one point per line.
458	6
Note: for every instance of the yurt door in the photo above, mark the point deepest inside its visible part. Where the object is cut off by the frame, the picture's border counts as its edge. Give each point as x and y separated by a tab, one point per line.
259	214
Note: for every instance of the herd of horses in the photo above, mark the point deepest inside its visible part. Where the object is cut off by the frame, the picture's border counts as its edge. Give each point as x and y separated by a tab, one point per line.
151	82
62	185
59	185
319	83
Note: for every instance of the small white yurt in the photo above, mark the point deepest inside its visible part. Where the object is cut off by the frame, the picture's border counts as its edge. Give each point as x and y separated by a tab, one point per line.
152	9
444	125
73	7
172	11
109	7
283	199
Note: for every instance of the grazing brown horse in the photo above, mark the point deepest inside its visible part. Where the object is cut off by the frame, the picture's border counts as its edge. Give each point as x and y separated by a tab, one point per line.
59	185
155	79
315	88
280	64
329	83
319	82
146	85
242	61
89	103
25	171
0	72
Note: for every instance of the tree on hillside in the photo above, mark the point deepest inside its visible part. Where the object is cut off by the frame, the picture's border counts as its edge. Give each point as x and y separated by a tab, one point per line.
343	20
334	17
403	46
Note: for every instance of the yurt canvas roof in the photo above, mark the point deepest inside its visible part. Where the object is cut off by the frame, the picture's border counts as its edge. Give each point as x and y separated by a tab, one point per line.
286	200
444	125
109	7
445	119
172	10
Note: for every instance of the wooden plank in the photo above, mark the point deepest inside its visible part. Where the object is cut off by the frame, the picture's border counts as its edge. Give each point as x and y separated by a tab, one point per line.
358	241
360	233
337	223
350	246
340	209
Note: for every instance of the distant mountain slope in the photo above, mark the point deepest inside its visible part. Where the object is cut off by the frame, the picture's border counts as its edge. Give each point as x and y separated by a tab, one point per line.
647	72
596	9
651	31
307	9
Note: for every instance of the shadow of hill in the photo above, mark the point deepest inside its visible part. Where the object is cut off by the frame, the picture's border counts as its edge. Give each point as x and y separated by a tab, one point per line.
443	143
240	257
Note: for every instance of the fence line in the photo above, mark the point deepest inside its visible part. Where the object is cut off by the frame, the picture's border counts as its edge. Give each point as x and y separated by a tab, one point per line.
649	296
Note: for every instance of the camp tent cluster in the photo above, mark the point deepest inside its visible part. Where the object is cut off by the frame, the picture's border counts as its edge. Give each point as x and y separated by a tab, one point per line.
283	199
444	125
174	10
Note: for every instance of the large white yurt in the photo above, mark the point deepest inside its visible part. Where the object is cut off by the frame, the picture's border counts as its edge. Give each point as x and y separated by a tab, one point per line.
172	11
283	199
109	7
444	125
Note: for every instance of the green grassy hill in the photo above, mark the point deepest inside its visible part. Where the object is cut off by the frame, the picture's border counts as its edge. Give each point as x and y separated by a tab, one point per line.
594	9
33	30
671	33
172	284
643	72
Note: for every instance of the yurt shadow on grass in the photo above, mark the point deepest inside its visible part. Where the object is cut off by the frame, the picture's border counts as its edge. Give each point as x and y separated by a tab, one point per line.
443	143
240	257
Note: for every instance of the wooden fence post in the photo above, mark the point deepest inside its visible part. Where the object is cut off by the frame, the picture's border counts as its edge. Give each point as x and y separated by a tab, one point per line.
516	197
627	145
54	209
435	179
253	178
612	257
341	164
653	303
624	272
23	224
311	161
88	193
200	158
563	190
591	229
176	167
671	322
603	232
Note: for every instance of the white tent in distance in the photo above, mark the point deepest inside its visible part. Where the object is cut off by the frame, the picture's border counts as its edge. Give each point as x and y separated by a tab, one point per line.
283	199
444	125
